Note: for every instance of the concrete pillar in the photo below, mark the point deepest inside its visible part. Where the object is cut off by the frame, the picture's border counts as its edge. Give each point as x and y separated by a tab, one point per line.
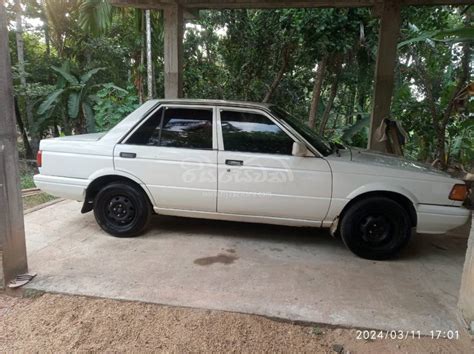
389	32
173	51
466	295
12	231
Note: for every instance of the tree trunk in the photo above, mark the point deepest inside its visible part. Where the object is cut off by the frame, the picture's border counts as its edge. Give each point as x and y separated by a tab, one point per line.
318	84
67	130
28	152
332	96
139	79
149	60
21	68
443	122
441	145
286	53
47	40
350	106
55	129
19	42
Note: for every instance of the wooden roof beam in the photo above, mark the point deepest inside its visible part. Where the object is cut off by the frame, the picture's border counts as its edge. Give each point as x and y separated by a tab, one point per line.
273	4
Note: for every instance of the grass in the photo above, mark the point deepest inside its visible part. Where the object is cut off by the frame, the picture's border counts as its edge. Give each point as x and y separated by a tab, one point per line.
26	181
27	171
37	199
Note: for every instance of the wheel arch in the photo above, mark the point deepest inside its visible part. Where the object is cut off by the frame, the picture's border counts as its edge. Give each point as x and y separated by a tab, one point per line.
406	202
102	180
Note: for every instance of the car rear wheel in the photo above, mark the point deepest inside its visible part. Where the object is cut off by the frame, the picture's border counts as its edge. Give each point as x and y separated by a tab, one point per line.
122	210
376	228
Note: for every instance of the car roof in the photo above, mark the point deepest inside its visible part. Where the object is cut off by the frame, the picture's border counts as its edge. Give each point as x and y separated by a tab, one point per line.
209	102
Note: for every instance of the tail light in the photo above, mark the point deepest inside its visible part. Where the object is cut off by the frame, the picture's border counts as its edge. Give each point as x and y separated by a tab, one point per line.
459	192
39	158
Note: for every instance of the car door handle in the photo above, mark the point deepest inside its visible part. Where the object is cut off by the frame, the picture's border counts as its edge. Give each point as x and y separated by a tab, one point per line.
128	155
234	162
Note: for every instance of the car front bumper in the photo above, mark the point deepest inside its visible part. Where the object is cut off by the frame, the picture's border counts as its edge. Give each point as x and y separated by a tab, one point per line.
439	219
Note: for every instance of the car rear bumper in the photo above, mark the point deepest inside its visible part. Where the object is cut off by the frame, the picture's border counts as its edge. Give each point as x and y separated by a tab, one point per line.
437	219
69	188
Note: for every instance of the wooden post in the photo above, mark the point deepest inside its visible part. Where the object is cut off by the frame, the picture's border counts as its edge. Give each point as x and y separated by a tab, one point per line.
12	231
384	73
173	51
466	295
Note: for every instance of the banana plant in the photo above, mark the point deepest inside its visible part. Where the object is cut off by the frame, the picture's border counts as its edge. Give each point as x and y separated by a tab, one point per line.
76	91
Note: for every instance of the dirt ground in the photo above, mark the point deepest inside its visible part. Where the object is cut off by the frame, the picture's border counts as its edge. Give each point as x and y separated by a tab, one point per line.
61	323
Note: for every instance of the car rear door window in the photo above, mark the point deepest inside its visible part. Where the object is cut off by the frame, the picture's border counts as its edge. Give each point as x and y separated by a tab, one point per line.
187	128
253	132
178	127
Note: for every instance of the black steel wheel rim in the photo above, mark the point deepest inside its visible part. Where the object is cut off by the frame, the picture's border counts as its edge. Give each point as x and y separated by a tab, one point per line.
120	210
376	229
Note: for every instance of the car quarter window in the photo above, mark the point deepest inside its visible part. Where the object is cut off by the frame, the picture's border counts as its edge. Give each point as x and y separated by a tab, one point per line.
253	132
181	127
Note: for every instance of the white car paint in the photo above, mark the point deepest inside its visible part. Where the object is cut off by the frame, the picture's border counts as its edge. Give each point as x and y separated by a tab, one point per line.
279	189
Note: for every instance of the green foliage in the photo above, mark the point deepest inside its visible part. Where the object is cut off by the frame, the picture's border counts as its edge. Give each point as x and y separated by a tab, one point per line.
113	104
455	35
95	16
76	90
461	142
26	180
238	54
429	74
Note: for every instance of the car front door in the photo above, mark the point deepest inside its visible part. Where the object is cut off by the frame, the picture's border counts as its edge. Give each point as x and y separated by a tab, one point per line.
259	176
174	153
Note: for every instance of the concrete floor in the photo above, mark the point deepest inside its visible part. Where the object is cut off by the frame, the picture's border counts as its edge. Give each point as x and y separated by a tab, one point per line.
290	273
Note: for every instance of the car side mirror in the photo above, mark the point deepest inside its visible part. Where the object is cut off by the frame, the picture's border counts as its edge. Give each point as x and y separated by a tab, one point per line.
299	149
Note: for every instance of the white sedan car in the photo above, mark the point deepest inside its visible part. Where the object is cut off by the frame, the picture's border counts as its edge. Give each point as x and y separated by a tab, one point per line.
247	162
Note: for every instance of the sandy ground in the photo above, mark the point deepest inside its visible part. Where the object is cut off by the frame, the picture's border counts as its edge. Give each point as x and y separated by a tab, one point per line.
61	323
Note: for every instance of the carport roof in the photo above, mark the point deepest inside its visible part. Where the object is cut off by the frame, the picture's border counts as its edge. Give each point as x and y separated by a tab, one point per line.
233	4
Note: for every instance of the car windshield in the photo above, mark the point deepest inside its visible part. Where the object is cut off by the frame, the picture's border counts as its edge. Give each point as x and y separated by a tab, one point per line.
322	145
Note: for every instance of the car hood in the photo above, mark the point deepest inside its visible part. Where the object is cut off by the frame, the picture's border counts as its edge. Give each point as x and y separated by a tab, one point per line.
374	158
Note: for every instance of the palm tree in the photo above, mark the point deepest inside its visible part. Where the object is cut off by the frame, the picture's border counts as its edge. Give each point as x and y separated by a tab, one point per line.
95	16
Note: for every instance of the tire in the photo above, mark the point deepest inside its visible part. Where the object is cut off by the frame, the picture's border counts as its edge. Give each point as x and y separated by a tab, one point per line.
376	228
122	210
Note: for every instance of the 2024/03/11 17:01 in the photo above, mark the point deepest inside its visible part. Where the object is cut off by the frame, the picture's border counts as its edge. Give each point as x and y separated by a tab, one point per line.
403	335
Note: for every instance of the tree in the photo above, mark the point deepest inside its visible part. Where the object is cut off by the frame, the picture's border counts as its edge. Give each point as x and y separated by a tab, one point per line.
149	59
30	149
95	16
440	70
76	90
316	95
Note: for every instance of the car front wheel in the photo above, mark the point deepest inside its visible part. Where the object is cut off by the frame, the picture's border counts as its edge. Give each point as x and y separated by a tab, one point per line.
376	228
122	210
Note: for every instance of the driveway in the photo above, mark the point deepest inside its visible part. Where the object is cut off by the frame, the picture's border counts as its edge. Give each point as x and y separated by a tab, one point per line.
290	273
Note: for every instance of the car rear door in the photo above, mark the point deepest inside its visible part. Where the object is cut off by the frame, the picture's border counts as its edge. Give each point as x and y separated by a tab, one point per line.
258	175
174	153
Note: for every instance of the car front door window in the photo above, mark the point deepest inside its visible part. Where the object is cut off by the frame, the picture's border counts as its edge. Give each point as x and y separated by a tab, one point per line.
253	132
